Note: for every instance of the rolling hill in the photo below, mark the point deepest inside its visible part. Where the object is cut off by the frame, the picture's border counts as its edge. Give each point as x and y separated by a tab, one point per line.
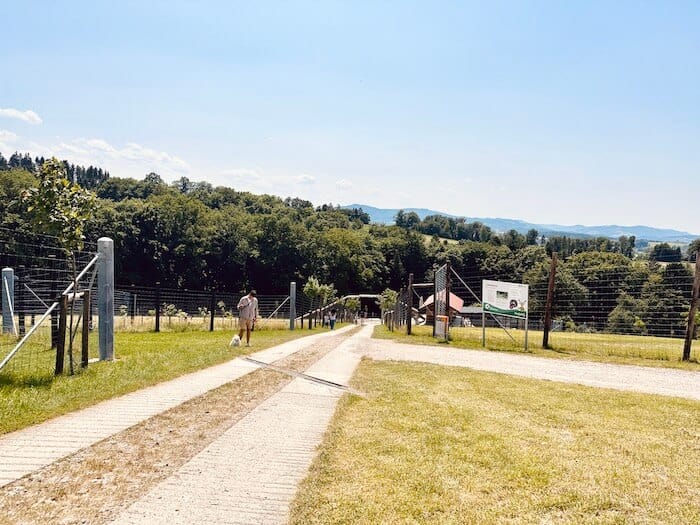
649	233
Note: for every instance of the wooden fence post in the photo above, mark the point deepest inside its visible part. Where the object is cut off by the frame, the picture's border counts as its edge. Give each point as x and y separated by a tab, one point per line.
409	305
550	299
157	300
61	334
212	310
84	351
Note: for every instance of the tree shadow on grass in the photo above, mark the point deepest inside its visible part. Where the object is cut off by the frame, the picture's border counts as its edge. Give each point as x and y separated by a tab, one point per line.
559	350
25	380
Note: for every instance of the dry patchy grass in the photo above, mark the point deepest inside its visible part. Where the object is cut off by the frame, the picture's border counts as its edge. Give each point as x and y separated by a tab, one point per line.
445	445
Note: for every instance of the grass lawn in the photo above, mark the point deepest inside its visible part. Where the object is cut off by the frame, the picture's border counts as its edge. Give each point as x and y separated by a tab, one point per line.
448	445
143	359
609	348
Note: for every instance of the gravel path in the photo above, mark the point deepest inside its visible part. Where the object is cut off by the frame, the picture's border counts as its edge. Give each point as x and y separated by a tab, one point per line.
664	381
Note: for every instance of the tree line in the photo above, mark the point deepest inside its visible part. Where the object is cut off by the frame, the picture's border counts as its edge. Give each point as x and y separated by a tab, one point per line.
89	177
193	235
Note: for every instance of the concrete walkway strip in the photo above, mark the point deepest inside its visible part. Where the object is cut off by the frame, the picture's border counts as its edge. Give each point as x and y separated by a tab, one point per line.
663	381
294	373
27	450
251	473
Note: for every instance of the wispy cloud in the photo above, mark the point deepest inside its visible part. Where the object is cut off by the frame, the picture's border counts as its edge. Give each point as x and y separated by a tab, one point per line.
26	116
7	141
7	136
304	178
257	176
137	152
96	150
100	145
242	174
259	180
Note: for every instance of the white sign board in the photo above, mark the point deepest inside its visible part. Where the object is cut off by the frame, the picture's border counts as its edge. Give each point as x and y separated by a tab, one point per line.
505	298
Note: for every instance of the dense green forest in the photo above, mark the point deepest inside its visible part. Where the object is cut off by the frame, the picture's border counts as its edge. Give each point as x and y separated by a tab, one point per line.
193	235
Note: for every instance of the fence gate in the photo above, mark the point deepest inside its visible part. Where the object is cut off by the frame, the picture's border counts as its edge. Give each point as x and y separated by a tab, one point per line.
441	303
40	300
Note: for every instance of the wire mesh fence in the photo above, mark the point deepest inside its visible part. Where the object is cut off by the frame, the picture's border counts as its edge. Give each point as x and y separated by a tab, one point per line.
617	302
312	311
36	272
396	317
166	309
639	309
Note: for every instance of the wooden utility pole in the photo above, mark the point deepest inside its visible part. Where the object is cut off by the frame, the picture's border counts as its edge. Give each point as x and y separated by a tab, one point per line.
550	299
693	310
409	305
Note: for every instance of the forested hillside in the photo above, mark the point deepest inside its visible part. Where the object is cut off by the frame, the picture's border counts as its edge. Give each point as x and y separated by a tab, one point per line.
89	177
193	235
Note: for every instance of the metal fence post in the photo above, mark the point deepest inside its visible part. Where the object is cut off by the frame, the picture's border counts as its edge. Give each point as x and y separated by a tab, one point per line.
435	299
448	291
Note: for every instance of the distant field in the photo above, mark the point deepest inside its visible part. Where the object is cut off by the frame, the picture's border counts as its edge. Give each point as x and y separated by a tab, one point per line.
427	238
627	349
446	445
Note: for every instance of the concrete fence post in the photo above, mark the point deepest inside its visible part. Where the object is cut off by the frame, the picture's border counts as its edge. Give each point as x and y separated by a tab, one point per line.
8	301
105	297
292	304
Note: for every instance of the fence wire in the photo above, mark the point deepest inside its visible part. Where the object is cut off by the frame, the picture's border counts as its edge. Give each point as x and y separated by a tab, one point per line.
641	299
41	272
135	309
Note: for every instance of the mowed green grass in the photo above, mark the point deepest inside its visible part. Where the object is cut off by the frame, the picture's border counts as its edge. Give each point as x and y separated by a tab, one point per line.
610	348
439	445
143	359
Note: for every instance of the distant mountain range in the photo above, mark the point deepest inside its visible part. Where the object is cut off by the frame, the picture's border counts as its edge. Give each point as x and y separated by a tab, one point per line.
648	233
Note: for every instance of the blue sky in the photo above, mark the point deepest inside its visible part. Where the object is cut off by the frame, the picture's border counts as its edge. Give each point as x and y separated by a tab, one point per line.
552	112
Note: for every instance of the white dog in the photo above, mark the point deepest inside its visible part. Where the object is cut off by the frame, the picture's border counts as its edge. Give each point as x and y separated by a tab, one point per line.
236	341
